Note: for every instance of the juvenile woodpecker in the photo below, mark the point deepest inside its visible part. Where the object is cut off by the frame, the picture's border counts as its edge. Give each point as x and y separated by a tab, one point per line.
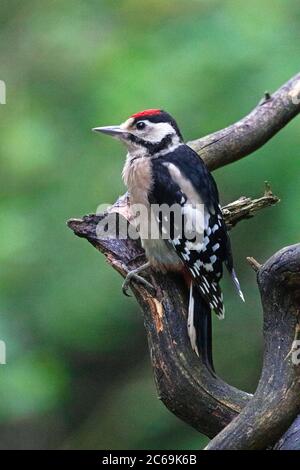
161	169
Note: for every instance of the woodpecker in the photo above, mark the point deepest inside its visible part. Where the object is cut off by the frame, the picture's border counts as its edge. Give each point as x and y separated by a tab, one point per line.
161	169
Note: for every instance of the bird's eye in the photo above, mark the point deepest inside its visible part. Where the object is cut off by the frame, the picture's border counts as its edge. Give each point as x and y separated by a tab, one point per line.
140	125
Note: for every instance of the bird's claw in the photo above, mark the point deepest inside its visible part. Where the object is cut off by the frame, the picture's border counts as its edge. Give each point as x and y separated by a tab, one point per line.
133	276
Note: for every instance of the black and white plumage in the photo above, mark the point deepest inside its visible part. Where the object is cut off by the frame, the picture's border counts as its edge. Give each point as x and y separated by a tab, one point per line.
205	262
161	169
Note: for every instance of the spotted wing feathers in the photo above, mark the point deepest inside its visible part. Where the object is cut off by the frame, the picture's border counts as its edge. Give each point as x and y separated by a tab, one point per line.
204	261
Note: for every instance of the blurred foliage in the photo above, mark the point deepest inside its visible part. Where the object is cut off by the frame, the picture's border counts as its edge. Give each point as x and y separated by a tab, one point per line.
78	373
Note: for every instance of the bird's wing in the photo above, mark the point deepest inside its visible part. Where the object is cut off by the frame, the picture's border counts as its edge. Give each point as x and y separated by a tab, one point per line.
190	183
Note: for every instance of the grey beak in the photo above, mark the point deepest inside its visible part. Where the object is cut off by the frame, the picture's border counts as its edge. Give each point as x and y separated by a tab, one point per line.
114	131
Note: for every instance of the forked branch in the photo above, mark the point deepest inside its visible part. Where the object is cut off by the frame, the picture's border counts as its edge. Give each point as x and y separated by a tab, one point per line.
184	384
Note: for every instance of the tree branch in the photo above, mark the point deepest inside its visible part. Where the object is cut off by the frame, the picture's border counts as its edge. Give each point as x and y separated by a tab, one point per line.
245	207
184	383
188	389
178	372
254	130
276	401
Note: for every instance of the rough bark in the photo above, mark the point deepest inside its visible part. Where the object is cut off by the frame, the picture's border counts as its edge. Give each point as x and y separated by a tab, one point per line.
184	384
276	401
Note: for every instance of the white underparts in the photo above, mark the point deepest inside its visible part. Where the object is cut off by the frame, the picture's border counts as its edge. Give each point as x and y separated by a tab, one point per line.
137	175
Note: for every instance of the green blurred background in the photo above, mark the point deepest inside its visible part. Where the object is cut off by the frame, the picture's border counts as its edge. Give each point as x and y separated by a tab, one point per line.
78	373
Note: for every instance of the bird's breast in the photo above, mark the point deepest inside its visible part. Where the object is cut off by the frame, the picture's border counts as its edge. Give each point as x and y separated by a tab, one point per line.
137	175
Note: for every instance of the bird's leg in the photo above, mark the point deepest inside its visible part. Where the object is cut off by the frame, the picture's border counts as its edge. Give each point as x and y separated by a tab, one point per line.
134	275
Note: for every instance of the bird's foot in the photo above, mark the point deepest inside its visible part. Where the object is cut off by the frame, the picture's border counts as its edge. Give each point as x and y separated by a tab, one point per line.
134	276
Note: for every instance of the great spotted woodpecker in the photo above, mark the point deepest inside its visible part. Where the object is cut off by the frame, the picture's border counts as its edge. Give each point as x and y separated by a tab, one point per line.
161	169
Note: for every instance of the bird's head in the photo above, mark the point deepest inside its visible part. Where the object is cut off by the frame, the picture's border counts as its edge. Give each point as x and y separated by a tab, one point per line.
151	132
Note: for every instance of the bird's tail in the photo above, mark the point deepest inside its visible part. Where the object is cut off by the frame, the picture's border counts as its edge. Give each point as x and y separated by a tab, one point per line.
237	284
199	327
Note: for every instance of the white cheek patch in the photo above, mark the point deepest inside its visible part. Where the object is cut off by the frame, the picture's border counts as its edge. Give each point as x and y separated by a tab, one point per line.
155	132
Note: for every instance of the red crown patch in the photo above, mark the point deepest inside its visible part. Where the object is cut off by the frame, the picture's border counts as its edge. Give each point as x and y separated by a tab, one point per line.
146	112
